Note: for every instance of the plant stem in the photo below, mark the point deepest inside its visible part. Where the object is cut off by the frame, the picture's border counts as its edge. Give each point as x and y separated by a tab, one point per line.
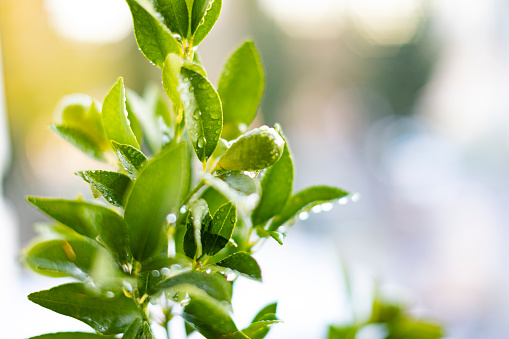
193	192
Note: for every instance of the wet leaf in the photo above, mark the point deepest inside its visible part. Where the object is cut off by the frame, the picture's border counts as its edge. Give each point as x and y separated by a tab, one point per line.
68	335
88	219
306	199
112	185
114	113
214	284
243	263
194	235
240	88
159	191
171	77
175	14
260	329
220	230
276	186
252	151
62	257
270	309
207	22
138	330
130	158
80	140
153	38
103	314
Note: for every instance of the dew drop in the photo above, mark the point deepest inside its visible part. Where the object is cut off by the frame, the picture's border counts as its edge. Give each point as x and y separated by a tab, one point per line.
343	201
200	143
304	216
109	294
231	276
355	197
327	206
155	273
264	128
316	209
183	209
171	218
281	229
165	271
208	271
231	241
232	218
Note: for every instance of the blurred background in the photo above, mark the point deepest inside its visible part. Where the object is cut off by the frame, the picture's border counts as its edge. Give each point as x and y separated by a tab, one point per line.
403	101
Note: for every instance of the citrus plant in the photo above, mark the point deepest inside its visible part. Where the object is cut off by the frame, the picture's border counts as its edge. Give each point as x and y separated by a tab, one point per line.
189	194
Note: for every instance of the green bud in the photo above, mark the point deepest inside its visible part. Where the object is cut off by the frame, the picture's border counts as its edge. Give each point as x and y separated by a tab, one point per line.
252	151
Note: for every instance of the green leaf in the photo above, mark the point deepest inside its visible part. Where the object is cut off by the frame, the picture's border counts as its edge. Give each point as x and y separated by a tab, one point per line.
304	200
103	314
214	284
194	232
342	332
213	198
171	77
221	229
89	220
159	191
138	330
267	310
208	22
240	182
112	185
209	316
80	140
153	38
260	329
130	158
276	188
253	151
404	328
62	257
244	264
175	14
240	88
203	113
200	7
68	335
134	122
114	113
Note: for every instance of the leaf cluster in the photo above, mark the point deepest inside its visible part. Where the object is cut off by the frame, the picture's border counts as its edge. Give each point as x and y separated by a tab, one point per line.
190	192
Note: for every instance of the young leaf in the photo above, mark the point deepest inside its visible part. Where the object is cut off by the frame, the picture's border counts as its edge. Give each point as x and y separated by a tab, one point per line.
89	220
69	335
200	7
260	329
214	284
130	158
240	88
138	330
208	316
267	310
244	264
133	120
175	14
171	77
154	39
306	199
203	113
62	257
159	191
252	151
80	140
208	22
276	188
193	239
105	315
240	182
114	113
112	185
221	229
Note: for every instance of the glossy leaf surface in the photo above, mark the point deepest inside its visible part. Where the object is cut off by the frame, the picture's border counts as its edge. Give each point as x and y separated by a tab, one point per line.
244	264
153	38
276	186
214	284
112	185
208	22
80	140
114	114
260	329
68	335
306	199
131	159
88	219
105	315
138	330
171	77
240	88
159	191
220	230
175	14
209	316
62	257
267	310
203	113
